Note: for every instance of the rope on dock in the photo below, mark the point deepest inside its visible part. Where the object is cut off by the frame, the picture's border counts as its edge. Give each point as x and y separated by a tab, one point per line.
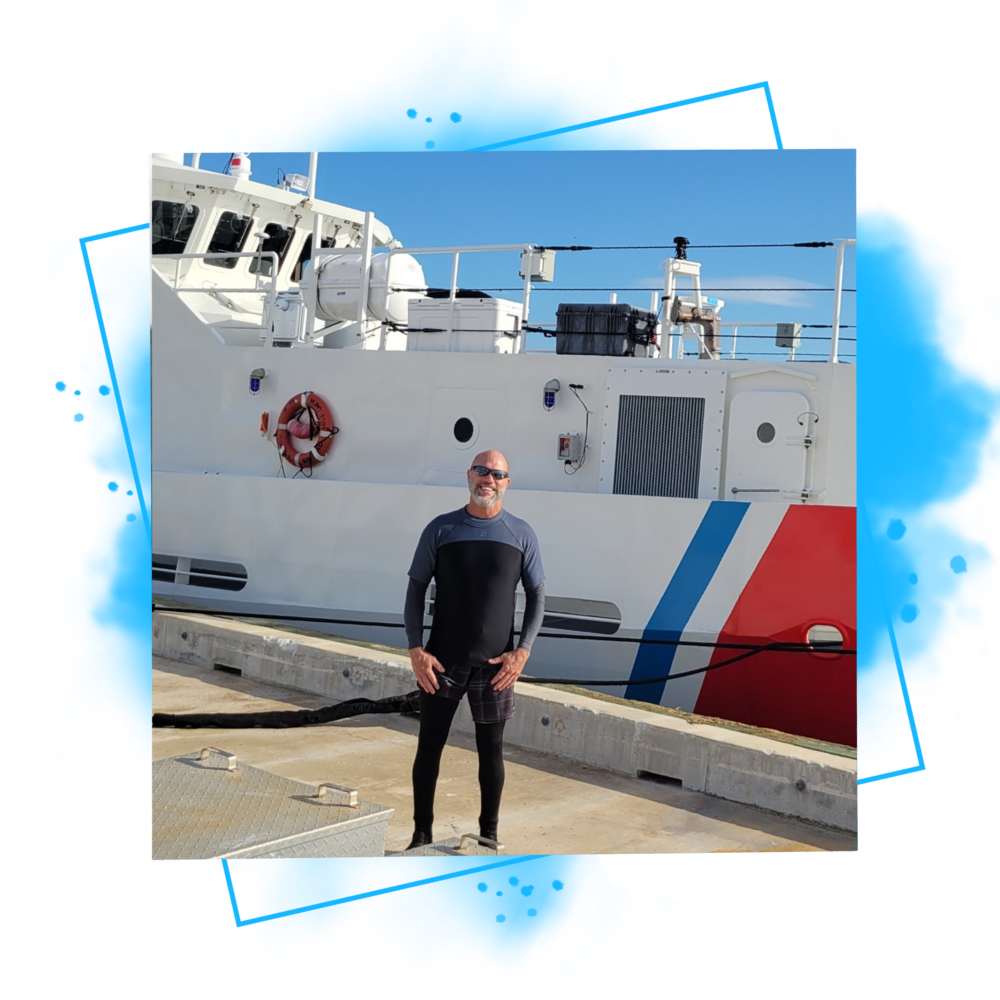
407	704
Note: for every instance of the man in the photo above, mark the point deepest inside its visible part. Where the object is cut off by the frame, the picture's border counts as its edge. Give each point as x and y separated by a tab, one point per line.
476	555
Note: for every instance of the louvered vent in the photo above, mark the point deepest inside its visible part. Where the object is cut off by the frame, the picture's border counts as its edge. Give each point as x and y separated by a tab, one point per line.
199	572
659	446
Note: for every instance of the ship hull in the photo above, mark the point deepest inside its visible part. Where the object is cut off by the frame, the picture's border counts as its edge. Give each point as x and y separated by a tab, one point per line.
711	572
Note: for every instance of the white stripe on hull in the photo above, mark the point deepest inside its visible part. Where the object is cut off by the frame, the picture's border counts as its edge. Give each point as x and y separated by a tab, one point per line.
752	537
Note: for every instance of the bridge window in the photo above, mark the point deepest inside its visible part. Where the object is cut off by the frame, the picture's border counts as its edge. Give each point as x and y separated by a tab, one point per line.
306	255
279	238
230	236
171	226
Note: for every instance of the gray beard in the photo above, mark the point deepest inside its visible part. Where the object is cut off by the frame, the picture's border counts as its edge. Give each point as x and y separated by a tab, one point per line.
486	502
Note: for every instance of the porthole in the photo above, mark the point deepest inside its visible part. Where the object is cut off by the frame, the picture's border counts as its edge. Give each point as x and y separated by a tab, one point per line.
828	638
765	433
464	431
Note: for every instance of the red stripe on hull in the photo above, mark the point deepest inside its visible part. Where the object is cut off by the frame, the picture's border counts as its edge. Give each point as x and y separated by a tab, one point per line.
807	576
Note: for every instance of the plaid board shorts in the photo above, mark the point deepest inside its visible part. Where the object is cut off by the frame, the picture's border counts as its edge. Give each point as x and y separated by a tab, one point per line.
487	705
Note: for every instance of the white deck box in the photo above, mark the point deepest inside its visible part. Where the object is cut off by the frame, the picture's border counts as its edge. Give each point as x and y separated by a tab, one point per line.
481	326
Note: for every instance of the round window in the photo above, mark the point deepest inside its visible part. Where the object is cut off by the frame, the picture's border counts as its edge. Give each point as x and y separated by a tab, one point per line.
825	637
765	433
463	430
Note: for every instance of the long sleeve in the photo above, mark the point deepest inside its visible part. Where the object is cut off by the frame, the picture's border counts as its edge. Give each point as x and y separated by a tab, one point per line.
413	612
534	612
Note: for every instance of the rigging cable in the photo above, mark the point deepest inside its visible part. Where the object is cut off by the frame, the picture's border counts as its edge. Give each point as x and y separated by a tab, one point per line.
620	288
747	650
549	332
692	246
577	466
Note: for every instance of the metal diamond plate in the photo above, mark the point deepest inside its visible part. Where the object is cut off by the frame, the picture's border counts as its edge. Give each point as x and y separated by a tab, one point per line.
201	809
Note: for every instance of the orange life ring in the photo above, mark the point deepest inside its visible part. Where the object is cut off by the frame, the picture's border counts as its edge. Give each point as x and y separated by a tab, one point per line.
320	419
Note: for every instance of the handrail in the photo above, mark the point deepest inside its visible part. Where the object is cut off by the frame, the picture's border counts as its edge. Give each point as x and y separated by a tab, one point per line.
225	256
837	294
452	293
269	291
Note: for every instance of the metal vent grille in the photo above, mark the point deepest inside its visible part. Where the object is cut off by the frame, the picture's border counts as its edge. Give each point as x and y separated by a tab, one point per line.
658	453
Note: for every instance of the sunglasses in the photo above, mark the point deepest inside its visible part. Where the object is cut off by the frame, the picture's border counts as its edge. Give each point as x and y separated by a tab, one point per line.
498	474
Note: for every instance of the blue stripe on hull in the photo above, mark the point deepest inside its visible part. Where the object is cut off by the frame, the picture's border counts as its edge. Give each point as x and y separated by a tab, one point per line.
686	588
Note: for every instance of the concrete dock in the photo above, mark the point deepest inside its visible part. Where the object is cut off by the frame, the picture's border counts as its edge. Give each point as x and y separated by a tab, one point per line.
583	795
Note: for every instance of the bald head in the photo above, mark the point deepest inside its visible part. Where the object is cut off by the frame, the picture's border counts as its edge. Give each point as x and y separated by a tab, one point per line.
492	460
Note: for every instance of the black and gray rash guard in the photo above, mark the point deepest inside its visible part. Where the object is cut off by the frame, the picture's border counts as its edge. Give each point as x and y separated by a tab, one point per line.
476	563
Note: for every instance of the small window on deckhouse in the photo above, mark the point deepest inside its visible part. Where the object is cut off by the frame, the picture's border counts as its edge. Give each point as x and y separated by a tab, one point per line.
171	226
229	237
306	255
278	239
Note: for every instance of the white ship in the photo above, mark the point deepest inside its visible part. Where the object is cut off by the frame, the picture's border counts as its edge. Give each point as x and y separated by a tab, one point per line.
695	499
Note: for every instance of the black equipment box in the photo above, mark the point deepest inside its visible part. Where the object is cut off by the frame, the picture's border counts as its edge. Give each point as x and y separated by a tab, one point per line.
613	329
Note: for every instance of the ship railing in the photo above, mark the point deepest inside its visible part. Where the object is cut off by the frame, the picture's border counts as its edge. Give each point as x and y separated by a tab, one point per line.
453	289
792	345
266	289
677	349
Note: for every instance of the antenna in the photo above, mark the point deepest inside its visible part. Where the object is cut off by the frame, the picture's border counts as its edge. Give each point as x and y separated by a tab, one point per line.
681	243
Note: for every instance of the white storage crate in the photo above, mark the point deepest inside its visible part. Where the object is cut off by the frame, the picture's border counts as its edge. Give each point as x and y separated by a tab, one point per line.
480	326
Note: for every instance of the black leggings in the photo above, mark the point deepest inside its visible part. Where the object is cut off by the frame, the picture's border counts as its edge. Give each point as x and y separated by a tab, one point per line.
436	714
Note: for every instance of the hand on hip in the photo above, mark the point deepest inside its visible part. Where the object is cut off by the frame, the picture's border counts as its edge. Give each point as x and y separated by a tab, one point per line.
424	664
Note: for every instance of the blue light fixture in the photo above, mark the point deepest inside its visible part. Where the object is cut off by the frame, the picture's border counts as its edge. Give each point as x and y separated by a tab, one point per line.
549	393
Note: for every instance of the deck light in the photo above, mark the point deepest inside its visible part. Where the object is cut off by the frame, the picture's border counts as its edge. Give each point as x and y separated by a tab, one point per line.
549	393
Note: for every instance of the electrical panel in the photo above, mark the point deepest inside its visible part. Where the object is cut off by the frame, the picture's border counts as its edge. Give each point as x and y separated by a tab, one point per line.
538	265
287	319
789	335
571	447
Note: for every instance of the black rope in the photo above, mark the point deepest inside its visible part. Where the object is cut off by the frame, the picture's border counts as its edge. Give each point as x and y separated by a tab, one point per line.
442	329
785	647
407	704
773	647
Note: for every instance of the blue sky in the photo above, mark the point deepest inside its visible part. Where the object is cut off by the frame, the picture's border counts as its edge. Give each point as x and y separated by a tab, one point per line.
618	198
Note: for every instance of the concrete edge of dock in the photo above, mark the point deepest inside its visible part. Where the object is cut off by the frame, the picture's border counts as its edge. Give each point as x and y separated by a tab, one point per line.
748	768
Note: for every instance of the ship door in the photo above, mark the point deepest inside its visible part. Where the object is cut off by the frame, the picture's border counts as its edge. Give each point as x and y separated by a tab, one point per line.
767	445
